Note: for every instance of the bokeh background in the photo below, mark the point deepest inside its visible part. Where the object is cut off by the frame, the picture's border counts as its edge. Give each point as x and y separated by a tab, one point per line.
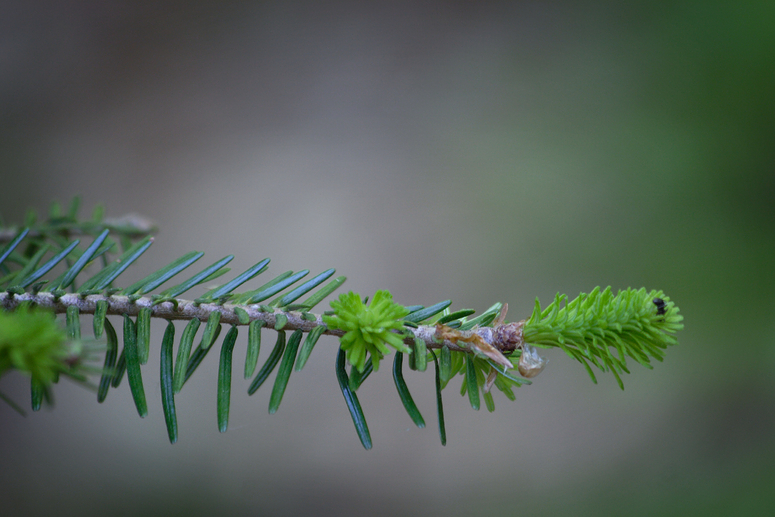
478	152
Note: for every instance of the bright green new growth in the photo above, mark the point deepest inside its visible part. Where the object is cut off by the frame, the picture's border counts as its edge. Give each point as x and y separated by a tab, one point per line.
368	327
32	342
602	328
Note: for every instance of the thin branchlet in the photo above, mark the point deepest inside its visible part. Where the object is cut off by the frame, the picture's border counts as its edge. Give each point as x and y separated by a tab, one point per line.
598	329
502	337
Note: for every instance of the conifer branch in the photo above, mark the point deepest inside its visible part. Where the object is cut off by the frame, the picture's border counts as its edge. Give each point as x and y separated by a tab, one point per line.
600	329
181	309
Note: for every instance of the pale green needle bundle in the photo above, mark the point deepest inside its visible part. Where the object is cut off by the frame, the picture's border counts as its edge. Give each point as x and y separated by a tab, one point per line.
368	327
602	328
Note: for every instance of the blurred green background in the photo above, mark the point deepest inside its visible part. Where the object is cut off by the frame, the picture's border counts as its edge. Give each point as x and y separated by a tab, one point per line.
479	152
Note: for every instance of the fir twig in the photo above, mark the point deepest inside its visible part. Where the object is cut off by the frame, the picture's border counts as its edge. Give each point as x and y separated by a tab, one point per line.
600	329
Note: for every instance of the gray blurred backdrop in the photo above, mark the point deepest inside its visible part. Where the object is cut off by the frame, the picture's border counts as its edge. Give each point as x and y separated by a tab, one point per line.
479	152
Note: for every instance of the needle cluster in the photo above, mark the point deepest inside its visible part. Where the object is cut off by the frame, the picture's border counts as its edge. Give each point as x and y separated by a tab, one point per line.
602	328
368	328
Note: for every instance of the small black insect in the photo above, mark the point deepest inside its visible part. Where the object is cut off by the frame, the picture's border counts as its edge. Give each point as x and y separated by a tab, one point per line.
661	306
